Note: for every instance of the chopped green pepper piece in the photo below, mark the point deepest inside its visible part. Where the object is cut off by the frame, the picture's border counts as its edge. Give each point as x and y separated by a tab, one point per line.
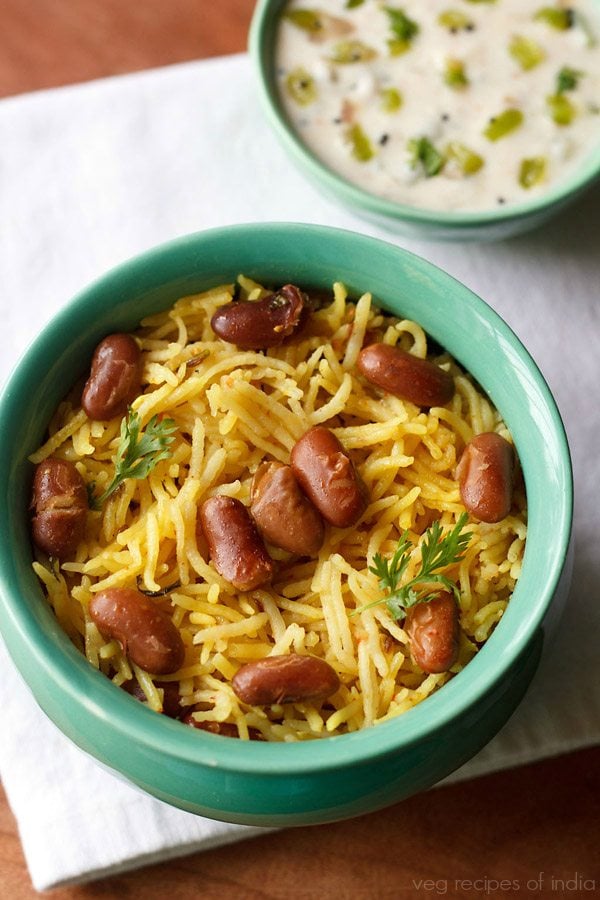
499	126
424	154
301	87
403	29
567	79
561	109
308	19
561	19
467	160
455	75
391	100
352	52
362	148
526	52
352	4
454	20
532	171
481	1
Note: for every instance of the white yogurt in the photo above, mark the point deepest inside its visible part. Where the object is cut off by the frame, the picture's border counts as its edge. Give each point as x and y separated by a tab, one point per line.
339	109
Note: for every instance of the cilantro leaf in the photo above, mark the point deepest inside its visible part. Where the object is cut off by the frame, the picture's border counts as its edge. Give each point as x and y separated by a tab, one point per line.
404	29
567	79
438	550
138	454
423	153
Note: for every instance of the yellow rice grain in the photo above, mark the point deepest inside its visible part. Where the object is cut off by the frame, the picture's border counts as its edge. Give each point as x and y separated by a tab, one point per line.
234	408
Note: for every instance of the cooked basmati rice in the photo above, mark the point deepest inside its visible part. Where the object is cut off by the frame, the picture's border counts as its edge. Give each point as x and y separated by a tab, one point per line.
233	409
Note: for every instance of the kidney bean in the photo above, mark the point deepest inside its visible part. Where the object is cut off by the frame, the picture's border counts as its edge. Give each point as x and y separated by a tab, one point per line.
371	337
234	544
486	476
406	376
171	699
433	628
171	705
257	324
145	632
60	503
327	476
285	679
226	729
115	377
284	515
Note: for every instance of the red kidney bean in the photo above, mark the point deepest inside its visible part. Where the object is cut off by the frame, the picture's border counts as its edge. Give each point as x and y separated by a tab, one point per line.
234	544
145	632
327	476
284	515
171	705
60	503
486	476
406	376
285	679
434	630
371	337
115	377
226	729
257	324
171	699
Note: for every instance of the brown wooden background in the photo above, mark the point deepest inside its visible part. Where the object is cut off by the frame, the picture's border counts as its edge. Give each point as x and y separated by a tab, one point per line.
509	827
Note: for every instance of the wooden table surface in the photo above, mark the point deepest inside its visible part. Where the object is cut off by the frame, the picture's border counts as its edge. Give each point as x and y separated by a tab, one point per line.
529	832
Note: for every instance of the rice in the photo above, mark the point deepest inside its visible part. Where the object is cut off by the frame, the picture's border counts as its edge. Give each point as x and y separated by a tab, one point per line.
233	409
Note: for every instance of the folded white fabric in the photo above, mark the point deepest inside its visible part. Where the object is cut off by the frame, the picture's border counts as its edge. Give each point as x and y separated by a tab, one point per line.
92	174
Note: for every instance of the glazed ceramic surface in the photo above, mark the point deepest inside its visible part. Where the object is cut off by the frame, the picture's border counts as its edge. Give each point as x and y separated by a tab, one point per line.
336	777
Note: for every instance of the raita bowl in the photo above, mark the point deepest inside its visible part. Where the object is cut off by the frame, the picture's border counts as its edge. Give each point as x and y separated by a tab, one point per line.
498	223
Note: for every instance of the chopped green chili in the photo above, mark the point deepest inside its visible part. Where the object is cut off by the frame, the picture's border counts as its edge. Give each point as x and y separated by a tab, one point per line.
301	87
361	146
561	109
346	52
455	75
532	171
561	19
306	19
499	126
455	20
526	52
467	160
391	100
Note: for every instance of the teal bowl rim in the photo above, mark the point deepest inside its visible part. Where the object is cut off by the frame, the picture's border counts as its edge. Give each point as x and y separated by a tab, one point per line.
261	36
60	663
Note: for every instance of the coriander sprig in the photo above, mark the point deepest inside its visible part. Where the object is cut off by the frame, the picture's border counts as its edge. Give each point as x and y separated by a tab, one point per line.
403	29
438	550
425	156
138	454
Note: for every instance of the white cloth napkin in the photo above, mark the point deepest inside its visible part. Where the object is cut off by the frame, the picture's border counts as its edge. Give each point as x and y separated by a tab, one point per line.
92	174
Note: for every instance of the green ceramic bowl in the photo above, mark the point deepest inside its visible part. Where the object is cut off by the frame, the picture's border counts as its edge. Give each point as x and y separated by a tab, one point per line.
410	221
317	781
